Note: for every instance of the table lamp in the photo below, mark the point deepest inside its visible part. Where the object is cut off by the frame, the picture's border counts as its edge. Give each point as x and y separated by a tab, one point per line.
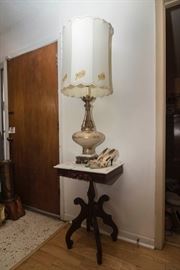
86	74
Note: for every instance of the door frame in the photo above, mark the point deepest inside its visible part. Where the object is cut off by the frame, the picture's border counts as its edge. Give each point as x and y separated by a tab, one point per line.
160	27
5	116
32	47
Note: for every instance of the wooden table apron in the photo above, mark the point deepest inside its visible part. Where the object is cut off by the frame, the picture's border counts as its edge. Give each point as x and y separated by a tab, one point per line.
91	210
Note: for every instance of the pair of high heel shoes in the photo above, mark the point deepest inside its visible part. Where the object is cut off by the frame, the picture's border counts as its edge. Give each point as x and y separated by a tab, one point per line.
105	159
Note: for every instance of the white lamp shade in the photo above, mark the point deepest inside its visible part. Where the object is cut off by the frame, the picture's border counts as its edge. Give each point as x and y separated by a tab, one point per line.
86	65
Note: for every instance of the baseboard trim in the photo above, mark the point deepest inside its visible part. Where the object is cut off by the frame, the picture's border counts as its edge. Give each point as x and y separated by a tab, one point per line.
137	239
126	236
173	244
41	211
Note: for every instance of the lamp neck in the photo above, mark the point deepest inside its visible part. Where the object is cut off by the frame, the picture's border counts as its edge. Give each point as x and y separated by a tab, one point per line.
88	122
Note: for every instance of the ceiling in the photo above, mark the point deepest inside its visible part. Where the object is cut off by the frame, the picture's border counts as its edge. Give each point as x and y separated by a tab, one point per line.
13	12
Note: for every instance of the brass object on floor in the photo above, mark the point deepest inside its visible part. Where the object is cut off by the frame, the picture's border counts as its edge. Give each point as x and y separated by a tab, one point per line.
6	175
12	202
2	213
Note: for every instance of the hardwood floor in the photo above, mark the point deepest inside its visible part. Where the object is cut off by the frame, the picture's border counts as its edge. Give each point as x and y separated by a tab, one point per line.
118	255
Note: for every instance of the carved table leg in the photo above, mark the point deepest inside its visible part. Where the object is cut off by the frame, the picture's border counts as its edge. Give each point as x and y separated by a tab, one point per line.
76	223
98	241
90	212
91	196
88	223
107	219
92	220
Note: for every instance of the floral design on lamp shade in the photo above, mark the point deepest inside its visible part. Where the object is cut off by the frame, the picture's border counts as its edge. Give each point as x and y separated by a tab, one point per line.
80	74
64	78
101	76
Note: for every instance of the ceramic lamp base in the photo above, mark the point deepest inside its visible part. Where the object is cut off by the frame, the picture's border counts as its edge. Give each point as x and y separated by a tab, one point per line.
89	140
88	137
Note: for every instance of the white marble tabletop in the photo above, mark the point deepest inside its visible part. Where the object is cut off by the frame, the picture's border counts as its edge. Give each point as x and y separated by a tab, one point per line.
81	167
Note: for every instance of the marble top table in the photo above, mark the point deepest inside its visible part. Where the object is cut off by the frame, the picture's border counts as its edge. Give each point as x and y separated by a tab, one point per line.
106	175
91	210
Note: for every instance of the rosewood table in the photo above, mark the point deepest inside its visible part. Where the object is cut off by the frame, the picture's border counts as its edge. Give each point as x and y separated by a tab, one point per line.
92	209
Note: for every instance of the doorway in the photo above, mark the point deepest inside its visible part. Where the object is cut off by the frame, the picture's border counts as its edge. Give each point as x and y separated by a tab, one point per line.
1	112
34	128
173	125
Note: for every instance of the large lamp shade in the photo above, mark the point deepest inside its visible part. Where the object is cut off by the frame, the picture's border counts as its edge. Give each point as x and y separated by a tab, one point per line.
87	57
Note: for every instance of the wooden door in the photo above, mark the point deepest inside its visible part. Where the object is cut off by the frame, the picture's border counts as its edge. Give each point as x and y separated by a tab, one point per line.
33	111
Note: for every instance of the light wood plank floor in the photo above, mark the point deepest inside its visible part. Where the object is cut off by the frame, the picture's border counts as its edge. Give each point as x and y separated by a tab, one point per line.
116	255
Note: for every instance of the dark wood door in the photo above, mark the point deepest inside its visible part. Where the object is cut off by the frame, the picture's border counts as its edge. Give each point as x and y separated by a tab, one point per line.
33	111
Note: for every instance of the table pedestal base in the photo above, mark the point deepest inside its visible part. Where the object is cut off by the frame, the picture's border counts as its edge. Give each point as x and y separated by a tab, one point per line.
90	211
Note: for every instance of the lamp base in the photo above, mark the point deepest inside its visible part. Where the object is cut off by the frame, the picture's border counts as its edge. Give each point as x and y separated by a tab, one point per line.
89	140
83	159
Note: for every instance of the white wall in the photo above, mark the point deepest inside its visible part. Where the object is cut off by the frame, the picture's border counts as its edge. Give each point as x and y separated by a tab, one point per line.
127	117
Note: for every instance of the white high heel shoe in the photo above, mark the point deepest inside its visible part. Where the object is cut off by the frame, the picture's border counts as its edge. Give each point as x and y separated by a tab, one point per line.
109	158
93	163
105	159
